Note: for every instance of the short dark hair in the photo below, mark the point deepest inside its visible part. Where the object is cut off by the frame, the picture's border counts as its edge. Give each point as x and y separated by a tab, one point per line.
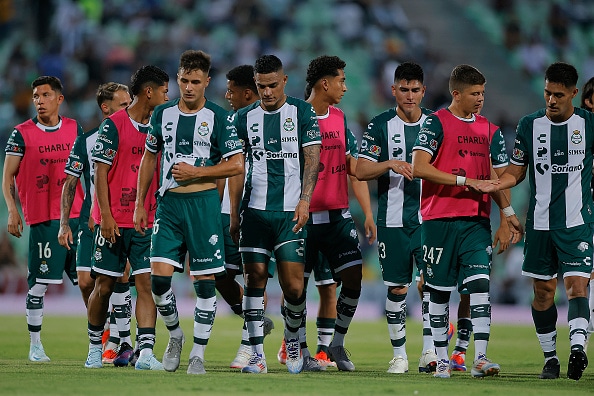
587	93
409	71
465	75
243	76
54	83
194	60
267	64
147	75
105	91
562	73
321	67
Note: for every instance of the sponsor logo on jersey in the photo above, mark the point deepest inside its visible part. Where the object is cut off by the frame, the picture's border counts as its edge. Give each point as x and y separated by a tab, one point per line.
375	149
289	139
559	153
422	138
271	155
517	154
272	141
576	152
151	139
462	153
98	146
14	148
289	125
576	137
184	142
128	195
541	152
542	138
542	168
556	169
502	158
397	153
41	181
76	165
473	139
433	144
313	134
396	138
232	144
110	153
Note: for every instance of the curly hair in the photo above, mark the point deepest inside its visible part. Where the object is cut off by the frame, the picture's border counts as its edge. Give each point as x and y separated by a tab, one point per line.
243	76
321	67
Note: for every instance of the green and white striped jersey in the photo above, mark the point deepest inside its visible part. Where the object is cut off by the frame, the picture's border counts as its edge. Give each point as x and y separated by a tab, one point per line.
274	142
559	159
388	137
198	139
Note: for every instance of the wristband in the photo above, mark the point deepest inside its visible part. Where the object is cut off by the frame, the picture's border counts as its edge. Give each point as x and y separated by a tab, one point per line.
508	211
460	180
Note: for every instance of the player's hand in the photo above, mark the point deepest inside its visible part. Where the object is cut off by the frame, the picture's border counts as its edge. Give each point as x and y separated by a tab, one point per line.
65	236
502	237
15	224
184	173
403	168
370	229
109	229
140	219
483	186
91	223
301	215
516	228
234	229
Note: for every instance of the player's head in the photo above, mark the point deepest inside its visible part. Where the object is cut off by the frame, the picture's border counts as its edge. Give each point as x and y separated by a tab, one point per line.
47	97
192	60
112	97
193	78
241	87
151	83
588	95
408	89
326	74
559	90
467	86
270	81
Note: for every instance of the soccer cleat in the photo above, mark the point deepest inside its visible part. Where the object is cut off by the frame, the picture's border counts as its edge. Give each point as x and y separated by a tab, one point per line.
341	356
451	331
551	369
428	361
148	362
105	337
256	365
134	357
483	367
37	354
294	357
457	361
578	361
312	364
244	354
108	356
172	354
442	370
398	365
323	359
94	358
196	366
282	353
125	353
268	325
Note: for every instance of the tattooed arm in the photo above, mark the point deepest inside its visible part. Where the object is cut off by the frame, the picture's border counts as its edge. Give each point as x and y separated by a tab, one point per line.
11	169
68	192
311	154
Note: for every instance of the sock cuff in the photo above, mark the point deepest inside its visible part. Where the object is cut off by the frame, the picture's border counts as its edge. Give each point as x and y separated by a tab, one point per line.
160	284
121	287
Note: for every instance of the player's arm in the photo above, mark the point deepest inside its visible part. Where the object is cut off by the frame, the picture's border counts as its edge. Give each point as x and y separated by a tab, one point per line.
9	172
184	173
311	154
361	191
109	227
235	194
146	172
369	170
68	193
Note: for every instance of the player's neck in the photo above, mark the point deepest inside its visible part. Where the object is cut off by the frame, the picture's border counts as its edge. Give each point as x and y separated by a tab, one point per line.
319	104
140	111
49	121
191	107
459	112
409	116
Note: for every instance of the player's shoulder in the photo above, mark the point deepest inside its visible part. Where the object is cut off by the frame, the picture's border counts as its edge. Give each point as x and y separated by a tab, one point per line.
215	108
336	111
426	112
383	117
529	118
583	113
164	106
247	109
301	104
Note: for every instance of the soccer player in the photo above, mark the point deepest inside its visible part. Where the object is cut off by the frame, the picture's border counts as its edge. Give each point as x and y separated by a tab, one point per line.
111	97
330	228
557	143
197	147
452	152
241	92
117	154
283	147
36	153
587	103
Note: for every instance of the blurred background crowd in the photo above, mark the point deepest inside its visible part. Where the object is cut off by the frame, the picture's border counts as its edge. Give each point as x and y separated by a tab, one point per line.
89	42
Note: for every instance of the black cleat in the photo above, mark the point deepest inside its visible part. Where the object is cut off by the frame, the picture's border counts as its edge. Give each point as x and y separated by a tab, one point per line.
551	369
578	361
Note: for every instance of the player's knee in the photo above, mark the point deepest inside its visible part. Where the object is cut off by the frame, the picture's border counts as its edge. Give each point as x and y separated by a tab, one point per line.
160	284
478	286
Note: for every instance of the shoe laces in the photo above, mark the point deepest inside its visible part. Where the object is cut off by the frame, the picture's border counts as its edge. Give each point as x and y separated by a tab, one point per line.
174	345
293	349
255	359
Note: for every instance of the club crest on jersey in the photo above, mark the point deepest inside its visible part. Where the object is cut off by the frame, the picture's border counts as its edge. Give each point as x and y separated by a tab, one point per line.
203	129
576	137
289	125
433	144
518	154
151	139
353	234
375	149
43	268
77	165
583	246
110	153
213	239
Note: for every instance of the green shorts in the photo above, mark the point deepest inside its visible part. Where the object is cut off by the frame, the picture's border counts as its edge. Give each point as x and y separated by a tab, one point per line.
189	223
456	251
323	274
110	258
48	260
232	255
567	251
265	231
84	248
399	251
338	241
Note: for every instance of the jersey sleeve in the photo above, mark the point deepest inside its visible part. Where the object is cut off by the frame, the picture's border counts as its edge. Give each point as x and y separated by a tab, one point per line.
498	150
310	130
520	154
77	158
228	141
106	146
371	148
15	144
154	136
430	136
352	148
